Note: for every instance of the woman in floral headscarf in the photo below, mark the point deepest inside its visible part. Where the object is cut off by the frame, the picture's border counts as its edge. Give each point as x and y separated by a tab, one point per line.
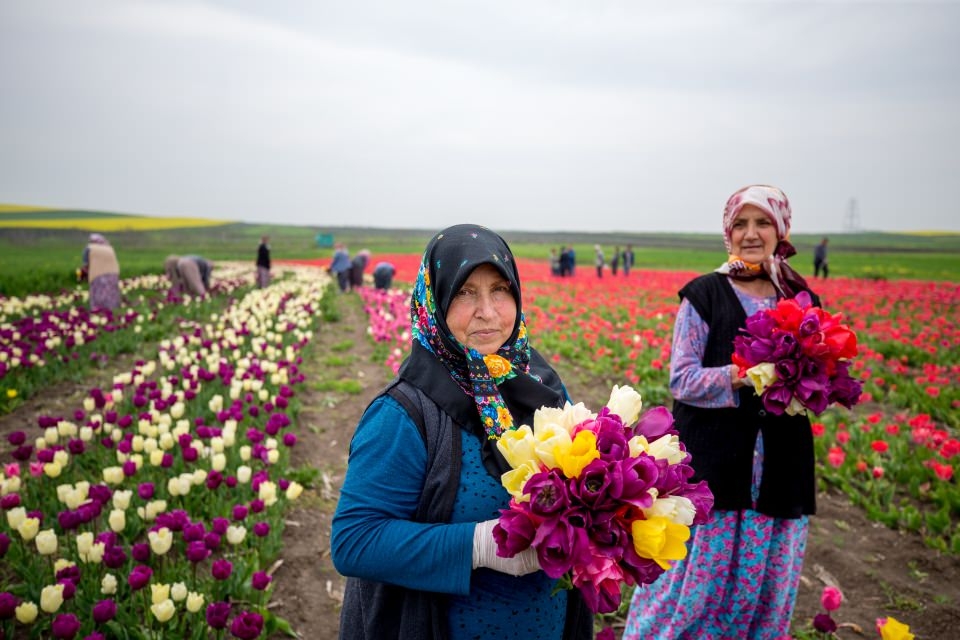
413	527
740	577
103	272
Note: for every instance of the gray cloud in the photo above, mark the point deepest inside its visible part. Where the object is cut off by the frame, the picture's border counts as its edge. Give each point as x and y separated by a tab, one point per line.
580	116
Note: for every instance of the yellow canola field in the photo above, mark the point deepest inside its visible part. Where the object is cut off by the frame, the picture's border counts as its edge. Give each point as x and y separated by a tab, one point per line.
131	223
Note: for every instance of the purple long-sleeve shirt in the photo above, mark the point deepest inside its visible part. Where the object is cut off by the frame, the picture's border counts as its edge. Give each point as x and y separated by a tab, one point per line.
690	381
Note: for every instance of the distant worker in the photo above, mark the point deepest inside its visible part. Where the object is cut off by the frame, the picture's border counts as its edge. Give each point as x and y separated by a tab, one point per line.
598	254
173	274
615	260
340	266
263	263
357	266
195	274
820	259
383	275
103	273
627	259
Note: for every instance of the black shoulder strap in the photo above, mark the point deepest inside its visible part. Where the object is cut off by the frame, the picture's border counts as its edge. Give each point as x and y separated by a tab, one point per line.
411	405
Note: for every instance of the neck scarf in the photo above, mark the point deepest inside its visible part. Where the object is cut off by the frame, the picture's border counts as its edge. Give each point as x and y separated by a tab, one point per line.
773	202
502	388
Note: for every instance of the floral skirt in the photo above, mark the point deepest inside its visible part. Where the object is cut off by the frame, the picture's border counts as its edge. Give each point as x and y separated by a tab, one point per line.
105	291
739	580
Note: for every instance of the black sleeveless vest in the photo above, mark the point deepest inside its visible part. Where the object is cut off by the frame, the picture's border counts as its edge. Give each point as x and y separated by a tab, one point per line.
722	441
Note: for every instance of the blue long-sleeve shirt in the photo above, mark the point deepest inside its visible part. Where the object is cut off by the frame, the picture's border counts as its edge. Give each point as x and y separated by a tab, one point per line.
374	537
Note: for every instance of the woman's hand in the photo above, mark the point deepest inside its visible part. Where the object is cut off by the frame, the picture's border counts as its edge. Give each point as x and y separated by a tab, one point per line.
735	380
485	553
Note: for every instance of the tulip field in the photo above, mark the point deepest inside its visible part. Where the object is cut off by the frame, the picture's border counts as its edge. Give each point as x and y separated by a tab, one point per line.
154	508
157	505
896	453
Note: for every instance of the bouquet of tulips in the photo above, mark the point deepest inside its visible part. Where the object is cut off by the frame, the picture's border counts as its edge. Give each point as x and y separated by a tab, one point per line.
602	501
798	358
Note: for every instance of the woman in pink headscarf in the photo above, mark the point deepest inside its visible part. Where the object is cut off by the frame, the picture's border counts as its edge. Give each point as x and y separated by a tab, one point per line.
103	272
740	577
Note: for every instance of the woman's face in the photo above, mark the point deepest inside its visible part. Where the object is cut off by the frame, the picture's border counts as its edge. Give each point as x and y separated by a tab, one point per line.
483	312
753	236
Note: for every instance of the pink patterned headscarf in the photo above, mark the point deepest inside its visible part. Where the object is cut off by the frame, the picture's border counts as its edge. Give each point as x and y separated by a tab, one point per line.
773	202
770	200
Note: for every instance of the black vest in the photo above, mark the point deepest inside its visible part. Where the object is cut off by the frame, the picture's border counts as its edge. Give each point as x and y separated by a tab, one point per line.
722	441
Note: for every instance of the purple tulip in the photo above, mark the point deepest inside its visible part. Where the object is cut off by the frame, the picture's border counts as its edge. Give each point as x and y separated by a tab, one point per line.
71	573
548	493
597	485
514	532
10	501
217	615
247	625
221	569
65	626
17	438
637	476
101	493
96	635
139	577
823	623
212	541
219	525
260	580
214	480
197	551
8	605
104	611
558	543
4	544
240	512
140	551
114	556
194	531
261	529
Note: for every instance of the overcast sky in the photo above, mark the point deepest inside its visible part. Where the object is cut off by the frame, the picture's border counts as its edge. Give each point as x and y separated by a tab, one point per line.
517	114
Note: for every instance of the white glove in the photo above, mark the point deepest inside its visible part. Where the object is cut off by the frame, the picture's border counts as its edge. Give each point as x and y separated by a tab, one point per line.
485	553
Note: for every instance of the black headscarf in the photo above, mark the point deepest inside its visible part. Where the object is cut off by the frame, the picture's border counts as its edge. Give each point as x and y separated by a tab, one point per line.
457	378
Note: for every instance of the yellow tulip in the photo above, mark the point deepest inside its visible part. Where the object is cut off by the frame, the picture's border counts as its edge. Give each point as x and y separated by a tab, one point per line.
160	540
178	591
29	528
515	479
582	452
108	586
660	540
517	446
552	439
159	592
51	598
268	493
893	629
47	542
26	612
117	520
164	610
15	517
236	534
294	489
194	602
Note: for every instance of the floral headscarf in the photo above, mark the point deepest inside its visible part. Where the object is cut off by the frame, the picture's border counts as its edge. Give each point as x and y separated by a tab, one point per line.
450	258
774	203
96	238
